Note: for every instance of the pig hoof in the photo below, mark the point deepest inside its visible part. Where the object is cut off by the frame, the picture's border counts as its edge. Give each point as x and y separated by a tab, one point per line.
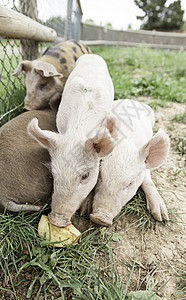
158	210
101	219
160	216
58	220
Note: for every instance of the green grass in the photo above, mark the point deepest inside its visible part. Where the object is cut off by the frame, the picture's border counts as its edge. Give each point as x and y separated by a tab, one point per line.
135	72
86	270
143	219
158	103
13	106
180	118
181	143
155	73
79	269
12	92
137	208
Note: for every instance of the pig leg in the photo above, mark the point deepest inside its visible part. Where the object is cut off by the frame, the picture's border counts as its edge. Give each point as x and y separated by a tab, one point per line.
14	207
155	203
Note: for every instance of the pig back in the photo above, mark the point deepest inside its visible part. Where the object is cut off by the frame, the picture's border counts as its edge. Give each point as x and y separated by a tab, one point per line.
64	55
25	175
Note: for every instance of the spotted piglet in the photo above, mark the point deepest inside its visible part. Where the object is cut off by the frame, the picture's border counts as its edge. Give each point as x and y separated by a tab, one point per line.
45	77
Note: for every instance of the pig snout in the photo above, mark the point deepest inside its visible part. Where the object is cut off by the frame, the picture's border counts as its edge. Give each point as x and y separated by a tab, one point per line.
31	102
27	107
102	218
58	220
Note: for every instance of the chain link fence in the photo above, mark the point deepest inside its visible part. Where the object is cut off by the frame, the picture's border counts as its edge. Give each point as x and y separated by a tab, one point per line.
63	16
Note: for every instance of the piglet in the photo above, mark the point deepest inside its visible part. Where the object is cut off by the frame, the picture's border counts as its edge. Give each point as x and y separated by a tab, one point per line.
45	77
128	166
25	177
87	133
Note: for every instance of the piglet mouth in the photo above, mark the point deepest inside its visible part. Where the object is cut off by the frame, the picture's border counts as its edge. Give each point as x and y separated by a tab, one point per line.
27	108
58	220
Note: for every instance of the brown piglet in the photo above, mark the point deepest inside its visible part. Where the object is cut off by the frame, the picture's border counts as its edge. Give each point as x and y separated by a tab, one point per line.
25	177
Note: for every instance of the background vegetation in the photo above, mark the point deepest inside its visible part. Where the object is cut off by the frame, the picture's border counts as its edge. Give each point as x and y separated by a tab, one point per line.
149	72
135	72
159	16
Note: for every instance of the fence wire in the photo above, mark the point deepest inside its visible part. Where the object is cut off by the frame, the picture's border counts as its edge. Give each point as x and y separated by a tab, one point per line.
63	16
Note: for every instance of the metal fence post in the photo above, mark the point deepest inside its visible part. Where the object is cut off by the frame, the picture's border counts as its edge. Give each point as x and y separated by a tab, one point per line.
29	48
68	22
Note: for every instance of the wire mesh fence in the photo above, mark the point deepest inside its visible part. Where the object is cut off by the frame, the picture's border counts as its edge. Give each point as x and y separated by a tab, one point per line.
63	16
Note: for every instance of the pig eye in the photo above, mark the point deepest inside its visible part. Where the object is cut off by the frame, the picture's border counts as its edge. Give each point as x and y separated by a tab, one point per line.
130	184
84	176
42	85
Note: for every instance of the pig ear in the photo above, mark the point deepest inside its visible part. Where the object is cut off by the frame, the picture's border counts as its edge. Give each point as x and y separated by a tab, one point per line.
106	137
25	65
45	138
46	69
156	150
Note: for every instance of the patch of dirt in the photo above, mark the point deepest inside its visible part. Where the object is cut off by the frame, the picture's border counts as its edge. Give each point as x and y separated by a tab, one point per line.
158	252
